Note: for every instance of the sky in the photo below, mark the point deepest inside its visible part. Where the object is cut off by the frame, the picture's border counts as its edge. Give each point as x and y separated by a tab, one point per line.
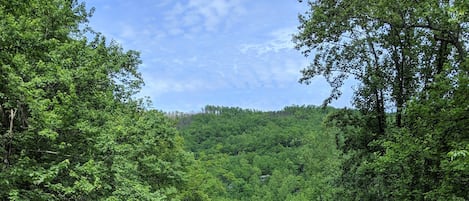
236	53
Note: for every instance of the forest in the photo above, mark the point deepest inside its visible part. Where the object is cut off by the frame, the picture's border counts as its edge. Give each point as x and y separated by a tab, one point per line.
72	127
254	155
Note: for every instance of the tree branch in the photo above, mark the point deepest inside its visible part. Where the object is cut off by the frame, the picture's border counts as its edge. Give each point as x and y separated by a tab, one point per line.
12	118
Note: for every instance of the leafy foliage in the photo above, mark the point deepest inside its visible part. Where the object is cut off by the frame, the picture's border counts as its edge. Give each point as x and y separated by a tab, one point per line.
410	59
70	127
253	155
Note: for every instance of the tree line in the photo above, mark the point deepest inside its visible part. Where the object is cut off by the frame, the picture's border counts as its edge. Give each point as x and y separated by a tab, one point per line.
72	129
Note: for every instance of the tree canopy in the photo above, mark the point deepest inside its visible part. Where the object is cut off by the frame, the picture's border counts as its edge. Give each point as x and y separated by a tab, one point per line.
70	126
410	59
254	155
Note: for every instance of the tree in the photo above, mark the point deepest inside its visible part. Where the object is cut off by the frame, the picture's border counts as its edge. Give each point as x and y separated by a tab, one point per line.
252	155
70	126
388	46
396	50
143	157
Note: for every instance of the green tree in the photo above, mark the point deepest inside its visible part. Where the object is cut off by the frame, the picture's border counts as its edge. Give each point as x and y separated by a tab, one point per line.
391	48
252	155
70	127
427	159
143	157
402	54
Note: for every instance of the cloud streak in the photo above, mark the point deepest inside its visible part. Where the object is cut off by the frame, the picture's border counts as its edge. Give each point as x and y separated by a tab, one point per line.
281	39
197	16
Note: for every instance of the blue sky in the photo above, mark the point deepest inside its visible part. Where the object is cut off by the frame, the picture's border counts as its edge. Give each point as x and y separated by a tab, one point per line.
214	52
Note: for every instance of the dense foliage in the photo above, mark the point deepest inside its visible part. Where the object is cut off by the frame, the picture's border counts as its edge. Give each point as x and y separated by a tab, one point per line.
253	155
70	129
409	138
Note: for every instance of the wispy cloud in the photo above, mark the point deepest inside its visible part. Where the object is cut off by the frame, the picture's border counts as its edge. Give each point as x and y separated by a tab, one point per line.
201	15
156	87
273	60
280	39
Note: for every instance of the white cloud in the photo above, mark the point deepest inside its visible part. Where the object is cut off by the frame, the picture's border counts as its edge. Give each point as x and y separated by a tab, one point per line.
280	39
208	14
161	86
273	63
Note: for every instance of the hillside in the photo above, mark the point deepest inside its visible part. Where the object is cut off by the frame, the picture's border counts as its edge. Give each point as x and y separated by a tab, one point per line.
253	155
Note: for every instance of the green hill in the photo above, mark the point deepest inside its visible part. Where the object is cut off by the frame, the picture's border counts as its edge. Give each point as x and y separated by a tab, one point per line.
254	155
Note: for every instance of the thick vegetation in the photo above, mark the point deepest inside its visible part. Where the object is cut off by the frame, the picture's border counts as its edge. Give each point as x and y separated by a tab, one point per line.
409	139
69	127
252	155
72	129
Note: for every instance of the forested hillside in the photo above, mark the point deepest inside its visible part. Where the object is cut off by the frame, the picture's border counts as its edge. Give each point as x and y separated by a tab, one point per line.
253	155
71	127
